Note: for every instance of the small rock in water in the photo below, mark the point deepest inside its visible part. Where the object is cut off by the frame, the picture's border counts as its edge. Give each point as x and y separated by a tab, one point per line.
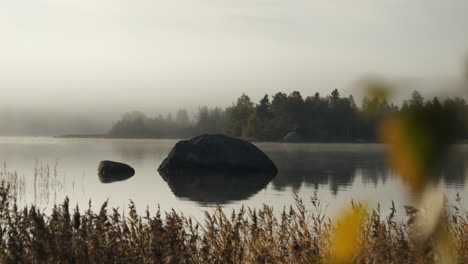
111	171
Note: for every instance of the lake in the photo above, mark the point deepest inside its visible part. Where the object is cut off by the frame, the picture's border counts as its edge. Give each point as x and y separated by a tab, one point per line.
46	170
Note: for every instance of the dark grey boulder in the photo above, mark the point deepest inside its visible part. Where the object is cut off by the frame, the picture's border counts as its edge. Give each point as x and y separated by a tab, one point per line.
111	171
216	153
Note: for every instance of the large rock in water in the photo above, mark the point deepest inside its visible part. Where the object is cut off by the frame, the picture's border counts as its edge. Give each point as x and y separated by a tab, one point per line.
216	153
111	171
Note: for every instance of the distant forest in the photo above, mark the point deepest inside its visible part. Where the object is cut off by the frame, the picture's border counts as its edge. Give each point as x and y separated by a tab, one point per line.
283	117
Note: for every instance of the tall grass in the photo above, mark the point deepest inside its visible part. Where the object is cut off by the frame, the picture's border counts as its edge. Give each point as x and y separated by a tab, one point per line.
41	190
292	235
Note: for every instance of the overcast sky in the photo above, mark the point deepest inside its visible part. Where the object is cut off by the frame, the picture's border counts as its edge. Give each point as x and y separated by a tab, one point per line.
151	54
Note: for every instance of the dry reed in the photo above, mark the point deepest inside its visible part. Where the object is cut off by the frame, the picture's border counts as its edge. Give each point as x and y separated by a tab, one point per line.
293	235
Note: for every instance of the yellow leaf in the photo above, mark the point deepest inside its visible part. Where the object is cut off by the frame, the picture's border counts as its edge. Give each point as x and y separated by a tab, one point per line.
346	236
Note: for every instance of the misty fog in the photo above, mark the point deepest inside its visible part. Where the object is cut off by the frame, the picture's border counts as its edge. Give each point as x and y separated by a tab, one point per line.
75	66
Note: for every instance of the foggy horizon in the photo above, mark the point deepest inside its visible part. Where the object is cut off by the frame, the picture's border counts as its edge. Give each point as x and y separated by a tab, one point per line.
98	59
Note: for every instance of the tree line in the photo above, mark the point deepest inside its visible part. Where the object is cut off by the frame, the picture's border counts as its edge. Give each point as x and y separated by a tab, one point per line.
284	117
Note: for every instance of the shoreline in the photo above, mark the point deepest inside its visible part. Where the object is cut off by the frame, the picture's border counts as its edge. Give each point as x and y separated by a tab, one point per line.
103	136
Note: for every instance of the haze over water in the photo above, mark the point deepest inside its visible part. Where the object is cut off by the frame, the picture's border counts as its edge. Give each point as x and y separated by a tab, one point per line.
337	172
76	66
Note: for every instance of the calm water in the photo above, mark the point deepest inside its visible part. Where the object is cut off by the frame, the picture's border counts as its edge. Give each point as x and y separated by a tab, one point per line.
49	169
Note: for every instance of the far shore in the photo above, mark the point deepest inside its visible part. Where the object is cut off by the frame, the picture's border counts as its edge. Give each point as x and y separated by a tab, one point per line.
104	136
83	136
247	139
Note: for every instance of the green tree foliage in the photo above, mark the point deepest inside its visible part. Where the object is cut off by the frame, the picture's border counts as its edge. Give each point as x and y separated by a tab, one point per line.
260	121
315	118
237	116
341	117
374	108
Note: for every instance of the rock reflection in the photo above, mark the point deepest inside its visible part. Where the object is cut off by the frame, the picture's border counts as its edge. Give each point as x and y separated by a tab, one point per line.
216	187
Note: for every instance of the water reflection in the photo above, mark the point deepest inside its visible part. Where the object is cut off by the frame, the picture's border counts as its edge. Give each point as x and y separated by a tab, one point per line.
335	169
338	172
216	187
339	169
455	168
139	150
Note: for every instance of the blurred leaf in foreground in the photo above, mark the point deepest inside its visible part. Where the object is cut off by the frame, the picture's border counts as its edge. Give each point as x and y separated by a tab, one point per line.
347	234
446	249
377	88
377	91
418	138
